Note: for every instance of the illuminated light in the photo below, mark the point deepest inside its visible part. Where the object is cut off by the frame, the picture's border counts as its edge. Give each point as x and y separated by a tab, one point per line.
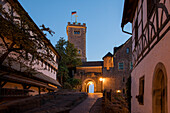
52	85
118	91
101	79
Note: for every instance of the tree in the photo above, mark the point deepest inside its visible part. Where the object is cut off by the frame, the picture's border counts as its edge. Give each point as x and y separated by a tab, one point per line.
69	58
20	37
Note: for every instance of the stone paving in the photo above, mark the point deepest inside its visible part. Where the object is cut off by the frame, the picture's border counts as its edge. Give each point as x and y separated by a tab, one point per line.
59	102
86	105
97	107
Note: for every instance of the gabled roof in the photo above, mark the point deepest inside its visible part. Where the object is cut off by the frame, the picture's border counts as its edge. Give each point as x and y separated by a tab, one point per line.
108	55
117	48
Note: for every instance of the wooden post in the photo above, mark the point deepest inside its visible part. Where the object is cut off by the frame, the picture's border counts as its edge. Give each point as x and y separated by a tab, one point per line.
39	91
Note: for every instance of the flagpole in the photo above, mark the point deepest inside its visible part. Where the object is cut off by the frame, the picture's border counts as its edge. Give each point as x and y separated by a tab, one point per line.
71	17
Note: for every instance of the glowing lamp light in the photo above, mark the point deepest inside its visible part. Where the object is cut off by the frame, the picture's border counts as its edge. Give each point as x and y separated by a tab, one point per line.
101	79
118	91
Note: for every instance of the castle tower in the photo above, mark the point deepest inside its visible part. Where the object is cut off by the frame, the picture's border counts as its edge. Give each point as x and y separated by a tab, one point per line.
77	35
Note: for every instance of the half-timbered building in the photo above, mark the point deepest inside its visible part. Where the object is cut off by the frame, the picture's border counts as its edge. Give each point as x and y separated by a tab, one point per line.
150	87
20	77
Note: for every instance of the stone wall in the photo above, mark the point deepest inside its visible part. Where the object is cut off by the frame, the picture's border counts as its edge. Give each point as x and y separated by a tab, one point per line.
115	78
79	40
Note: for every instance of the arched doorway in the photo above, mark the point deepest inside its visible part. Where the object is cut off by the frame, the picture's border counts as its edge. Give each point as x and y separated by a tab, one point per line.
89	86
159	89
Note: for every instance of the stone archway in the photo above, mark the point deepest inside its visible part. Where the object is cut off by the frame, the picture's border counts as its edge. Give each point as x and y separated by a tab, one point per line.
85	84
159	89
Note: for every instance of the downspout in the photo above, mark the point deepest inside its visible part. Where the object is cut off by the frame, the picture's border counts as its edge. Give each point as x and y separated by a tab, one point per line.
125	31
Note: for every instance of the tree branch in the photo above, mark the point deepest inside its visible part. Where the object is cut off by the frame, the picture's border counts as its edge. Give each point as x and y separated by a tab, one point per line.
4	41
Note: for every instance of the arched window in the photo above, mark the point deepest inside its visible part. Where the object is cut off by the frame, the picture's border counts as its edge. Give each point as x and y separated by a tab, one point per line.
79	51
127	50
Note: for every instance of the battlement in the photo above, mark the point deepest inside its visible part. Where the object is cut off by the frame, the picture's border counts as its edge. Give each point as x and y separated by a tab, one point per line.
76	24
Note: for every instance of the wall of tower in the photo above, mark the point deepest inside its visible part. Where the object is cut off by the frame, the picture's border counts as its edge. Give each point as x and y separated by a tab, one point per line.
77	36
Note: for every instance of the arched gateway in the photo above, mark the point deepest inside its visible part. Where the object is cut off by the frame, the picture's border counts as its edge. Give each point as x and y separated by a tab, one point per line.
159	89
86	83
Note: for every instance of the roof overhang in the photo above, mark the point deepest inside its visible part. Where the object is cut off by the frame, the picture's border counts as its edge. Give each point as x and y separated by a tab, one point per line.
89	67
36	79
128	11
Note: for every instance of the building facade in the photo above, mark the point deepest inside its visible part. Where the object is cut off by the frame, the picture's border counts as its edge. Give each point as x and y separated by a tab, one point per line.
150	54
18	77
110	74
90	73
77	35
118	67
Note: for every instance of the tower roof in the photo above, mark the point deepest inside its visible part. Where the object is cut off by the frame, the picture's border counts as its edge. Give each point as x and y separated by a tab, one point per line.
108	55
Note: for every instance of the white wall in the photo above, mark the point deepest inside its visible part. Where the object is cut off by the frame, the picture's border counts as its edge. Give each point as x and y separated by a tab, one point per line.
160	53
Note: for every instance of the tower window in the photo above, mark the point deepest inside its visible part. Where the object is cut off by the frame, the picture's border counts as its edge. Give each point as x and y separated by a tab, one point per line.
127	50
76	32
79	51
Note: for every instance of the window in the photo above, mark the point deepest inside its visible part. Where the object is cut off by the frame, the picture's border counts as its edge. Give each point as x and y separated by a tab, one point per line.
123	79
131	65
76	32
72	73
37	62
49	67
121	66
79	51
45	65
54	70
123	91
41	62
127	50
140	97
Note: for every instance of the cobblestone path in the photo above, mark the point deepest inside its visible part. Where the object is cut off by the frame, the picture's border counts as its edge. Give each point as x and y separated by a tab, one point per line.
85	106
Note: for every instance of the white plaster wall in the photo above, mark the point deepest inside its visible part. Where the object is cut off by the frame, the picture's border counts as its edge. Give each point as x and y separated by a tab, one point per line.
160	53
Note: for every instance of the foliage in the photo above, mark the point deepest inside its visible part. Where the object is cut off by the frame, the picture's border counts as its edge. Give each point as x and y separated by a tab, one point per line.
20	36
74	82
69	58
67	85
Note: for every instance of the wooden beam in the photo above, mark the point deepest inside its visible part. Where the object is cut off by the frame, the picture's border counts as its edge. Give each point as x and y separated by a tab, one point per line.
2	84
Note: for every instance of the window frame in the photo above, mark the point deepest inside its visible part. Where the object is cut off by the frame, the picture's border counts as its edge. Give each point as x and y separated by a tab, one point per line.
119	66
140	97
127	50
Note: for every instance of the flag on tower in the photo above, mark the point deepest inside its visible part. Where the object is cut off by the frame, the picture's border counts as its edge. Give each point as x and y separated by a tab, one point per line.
74	12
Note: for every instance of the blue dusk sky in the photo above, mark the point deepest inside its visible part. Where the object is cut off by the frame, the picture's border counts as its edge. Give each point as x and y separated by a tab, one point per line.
102	18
